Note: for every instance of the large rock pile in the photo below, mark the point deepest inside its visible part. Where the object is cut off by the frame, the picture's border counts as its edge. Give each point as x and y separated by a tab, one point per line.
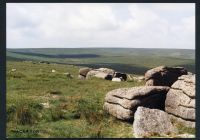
171	89
163	76
103	73
122	103
148	122
180	100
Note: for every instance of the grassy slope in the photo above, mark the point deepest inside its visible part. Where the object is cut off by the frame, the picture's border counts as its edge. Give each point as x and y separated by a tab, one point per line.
76	112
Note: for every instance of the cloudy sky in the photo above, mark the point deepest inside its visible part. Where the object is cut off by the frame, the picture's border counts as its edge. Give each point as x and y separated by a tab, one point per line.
100	25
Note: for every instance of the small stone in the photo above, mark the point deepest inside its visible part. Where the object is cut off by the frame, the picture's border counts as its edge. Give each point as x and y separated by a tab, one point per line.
13	70
45	105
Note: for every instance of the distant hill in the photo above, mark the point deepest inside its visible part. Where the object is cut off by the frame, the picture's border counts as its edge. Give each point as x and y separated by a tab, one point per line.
129	60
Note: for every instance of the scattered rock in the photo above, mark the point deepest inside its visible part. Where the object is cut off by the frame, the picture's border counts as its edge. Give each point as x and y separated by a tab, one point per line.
151	122
84	71
91	74
45	105
122	103
163	76
103	73
116	79
180	100
13	70
107	70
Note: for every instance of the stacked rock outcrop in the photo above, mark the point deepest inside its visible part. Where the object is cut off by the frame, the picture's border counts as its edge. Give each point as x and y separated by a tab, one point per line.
122	103
103	73
180	100
163	76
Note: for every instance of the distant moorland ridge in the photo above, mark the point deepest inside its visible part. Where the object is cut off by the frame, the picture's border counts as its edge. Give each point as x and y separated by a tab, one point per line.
128	60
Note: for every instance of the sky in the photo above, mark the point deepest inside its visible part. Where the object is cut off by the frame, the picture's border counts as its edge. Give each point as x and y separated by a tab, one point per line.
77	25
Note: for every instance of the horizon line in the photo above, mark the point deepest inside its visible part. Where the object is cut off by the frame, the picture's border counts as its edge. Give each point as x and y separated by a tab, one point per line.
101	48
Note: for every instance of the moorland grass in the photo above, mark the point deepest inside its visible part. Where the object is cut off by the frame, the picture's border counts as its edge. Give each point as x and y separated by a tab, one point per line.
76	106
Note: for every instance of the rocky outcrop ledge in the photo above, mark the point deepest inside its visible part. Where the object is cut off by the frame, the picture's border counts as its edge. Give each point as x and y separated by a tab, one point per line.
180	100
122	103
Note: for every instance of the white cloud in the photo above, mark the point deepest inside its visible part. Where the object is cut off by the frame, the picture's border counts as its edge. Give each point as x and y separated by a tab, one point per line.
98	25
174	7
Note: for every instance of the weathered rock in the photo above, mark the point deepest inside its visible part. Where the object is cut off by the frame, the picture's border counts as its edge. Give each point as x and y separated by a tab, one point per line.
150	122
116	79
107	70
180	100
13	70
84	71
45	105
186	83
81	77
163	76
103	73
118	111
120	101
91	74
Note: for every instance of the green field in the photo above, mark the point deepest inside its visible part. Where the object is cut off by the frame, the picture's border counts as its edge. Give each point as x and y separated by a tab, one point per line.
75	106
128	60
